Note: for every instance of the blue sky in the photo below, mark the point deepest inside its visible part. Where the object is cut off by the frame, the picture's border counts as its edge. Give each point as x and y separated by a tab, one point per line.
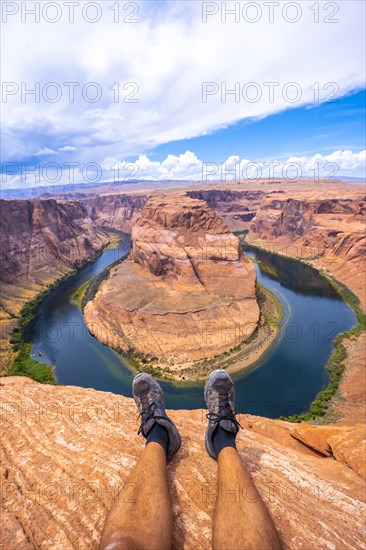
159	83
326	127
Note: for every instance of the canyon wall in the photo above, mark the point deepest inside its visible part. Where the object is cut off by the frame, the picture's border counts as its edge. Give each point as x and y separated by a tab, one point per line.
41	240
67	451
116	210
326	229
187	292
235	208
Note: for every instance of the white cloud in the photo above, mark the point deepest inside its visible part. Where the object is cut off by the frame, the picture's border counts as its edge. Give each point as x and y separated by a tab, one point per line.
345	161
168	54
188	167
44	152
67	149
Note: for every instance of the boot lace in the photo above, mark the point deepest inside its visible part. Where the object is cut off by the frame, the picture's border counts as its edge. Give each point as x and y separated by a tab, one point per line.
224	412
148	412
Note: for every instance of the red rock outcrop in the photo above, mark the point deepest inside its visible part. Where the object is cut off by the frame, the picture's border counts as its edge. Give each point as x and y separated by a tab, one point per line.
325	227
41	236
41	240
235	208
120	210
187	291
349	403
67	451
115	210
346	444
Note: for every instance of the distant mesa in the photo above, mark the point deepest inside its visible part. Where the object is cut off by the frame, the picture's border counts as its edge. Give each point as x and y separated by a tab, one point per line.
186	291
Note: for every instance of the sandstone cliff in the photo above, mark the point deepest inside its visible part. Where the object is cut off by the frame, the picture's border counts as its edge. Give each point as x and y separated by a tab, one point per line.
67	451
187	291
41	240
349	404
324	227
235	208
115	210
119	210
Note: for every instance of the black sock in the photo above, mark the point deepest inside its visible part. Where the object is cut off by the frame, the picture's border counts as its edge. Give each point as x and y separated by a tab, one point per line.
159	435
222	439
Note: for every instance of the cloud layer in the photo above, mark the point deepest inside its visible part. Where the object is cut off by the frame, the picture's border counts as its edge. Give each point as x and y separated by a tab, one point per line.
188	167
250	70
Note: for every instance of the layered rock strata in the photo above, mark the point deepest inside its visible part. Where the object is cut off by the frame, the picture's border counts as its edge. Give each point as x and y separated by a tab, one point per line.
349	404
187	291
67	451
120	210
115	210
328	229
41	240
235	207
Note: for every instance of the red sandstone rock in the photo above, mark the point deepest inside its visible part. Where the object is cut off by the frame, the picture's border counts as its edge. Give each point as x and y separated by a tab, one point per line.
41	240
115	210
66	452
345	443
187	291
324	226
235	207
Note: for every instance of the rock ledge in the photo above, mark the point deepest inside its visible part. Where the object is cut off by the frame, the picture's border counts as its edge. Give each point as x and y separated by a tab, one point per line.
66	451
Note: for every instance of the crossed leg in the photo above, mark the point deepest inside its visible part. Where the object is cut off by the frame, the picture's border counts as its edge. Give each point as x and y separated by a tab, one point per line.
141	518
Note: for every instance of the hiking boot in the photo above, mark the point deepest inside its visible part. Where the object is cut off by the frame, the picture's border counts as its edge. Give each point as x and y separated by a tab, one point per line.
149	398
220	400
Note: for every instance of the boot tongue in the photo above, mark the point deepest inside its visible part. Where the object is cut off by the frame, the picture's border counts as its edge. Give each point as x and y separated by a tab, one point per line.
228	425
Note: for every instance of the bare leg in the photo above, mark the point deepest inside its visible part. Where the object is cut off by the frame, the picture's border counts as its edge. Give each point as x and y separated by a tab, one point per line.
141	517
241	519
